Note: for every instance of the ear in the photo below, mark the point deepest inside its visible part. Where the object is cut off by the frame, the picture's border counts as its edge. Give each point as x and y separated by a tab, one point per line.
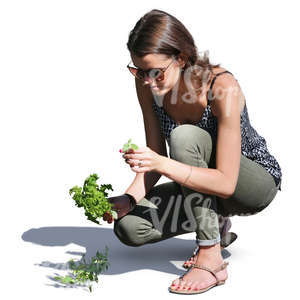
182	59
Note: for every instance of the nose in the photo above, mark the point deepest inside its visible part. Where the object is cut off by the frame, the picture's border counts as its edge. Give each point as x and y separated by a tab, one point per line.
149	80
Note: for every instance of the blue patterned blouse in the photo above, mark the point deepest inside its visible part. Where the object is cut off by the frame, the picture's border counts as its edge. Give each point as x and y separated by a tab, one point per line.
254	146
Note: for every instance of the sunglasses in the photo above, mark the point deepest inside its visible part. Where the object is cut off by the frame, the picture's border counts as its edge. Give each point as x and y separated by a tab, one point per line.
155	73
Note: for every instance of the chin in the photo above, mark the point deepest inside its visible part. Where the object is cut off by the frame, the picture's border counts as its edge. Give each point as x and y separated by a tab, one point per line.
157	90
161	90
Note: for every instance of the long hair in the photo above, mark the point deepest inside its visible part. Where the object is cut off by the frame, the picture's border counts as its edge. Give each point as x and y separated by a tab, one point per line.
158	32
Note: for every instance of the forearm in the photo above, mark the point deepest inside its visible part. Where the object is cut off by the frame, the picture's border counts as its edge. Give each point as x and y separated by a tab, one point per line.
142	184
205	180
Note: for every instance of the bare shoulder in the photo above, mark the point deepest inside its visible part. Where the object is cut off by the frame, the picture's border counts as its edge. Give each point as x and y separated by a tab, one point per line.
223	76
226	85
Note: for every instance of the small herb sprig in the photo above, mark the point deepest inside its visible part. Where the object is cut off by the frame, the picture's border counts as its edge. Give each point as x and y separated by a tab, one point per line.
93	199
128	146
84	272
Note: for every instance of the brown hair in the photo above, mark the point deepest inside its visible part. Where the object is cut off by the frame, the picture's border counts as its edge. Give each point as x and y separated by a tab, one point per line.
161	33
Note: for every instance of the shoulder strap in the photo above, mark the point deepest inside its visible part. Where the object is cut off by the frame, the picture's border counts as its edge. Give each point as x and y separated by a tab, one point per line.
209	96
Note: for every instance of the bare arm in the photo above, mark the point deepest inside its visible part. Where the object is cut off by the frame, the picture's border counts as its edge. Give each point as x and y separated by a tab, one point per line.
143	182
222	180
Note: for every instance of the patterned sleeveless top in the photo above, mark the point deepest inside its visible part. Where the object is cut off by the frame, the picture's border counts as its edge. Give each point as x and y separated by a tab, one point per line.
253	145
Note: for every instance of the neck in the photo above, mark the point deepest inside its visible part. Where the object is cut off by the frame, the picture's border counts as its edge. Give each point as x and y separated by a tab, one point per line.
184	93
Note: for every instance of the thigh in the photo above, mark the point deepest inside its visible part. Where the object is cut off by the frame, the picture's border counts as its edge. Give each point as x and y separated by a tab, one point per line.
254	191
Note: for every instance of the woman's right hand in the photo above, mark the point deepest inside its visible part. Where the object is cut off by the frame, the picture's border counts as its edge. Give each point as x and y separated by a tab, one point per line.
122	204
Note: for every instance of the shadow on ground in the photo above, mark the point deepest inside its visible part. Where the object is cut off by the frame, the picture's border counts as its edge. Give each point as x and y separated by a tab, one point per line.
164	256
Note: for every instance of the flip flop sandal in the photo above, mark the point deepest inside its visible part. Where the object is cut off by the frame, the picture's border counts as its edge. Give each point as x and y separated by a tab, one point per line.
226	240
199	291
195	252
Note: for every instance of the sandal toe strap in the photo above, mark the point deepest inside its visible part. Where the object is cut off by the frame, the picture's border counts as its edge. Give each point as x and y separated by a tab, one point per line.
213	272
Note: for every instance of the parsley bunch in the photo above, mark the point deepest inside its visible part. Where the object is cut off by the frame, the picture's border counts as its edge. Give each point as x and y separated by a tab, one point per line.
93	199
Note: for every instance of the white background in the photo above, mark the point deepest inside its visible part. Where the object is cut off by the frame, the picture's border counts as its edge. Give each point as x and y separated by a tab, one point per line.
68	104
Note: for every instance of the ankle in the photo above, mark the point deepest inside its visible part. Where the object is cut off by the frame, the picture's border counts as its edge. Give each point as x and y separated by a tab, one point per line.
212	253
210	256
212	249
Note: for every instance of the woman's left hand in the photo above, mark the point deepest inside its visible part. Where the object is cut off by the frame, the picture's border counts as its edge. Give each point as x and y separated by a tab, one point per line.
150	160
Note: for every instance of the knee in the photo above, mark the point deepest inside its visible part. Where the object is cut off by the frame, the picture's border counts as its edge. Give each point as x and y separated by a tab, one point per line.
128	231
189	138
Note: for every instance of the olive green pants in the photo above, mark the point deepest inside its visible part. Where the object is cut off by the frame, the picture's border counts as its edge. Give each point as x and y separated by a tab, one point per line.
170	209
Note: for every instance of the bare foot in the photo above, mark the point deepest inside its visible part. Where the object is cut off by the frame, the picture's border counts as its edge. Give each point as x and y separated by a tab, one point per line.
195	278
192	260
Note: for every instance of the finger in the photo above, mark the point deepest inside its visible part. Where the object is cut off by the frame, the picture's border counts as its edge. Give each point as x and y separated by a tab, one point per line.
137	169
140	150
136	156
131	163
130	150
135	162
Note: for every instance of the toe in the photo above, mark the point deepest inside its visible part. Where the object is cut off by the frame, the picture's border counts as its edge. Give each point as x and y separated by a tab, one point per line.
189	262
175	286
181	286
189	284
176	282
186	285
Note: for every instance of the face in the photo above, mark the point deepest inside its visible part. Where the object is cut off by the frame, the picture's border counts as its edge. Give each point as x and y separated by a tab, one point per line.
171	75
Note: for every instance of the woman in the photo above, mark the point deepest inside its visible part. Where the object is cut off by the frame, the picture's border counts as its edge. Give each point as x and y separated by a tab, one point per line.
219	165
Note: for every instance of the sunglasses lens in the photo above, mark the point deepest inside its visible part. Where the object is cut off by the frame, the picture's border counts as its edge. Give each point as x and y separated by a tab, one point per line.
140	74
156	74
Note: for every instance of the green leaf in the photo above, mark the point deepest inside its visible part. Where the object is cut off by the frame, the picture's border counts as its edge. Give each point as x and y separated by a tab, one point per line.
128	146
59	278
125	148
67	279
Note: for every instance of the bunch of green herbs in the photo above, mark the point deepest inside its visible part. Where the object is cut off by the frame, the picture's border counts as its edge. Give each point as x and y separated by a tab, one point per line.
83	273
93	198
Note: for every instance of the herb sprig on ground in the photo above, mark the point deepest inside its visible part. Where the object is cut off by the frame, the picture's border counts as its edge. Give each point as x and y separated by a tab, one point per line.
85	272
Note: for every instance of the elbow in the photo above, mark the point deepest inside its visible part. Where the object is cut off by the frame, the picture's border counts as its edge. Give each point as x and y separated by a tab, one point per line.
227	195
228	190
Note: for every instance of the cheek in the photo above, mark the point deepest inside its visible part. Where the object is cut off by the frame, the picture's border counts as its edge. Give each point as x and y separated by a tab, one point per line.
172	81
167	84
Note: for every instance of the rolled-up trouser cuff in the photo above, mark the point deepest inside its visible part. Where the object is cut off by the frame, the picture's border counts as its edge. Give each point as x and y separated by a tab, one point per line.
208	242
